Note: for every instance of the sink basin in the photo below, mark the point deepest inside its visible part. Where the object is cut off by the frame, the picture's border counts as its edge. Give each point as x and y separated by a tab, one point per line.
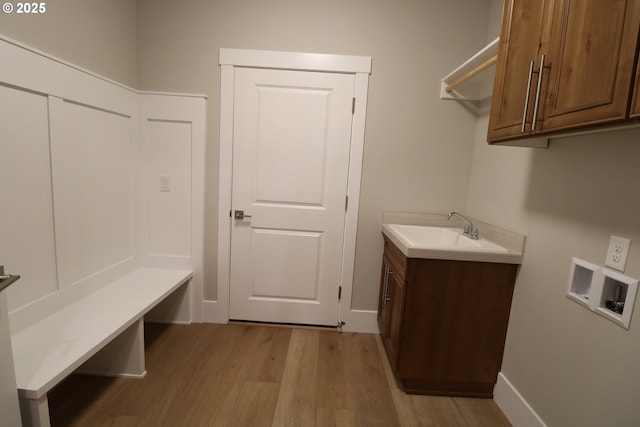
441	237
418	241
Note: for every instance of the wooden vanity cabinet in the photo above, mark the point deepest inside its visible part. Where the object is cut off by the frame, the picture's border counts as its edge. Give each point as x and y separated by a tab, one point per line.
443	323
585	52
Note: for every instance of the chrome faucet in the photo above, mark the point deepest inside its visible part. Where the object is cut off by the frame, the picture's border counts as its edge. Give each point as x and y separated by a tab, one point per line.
470	230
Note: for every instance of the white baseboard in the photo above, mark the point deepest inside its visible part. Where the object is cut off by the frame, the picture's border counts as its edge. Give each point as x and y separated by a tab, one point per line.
515	407
212	312
364	321
111	375
169	322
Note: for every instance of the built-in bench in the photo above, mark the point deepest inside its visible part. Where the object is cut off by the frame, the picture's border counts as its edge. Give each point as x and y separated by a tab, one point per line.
101	333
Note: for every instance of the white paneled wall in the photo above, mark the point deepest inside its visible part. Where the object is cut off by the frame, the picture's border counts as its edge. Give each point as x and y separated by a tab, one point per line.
171	169
92	161
81	163
26	245
168	152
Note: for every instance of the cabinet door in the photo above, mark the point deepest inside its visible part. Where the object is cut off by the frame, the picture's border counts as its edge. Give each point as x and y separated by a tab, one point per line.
383	312
393	327
456	321
635	103
591	59
524	29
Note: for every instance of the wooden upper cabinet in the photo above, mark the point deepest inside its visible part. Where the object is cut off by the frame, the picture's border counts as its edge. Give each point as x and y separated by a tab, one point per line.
635	104
591	62
524	24
586	59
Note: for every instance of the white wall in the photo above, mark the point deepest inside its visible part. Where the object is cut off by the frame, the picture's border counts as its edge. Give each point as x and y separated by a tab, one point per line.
97	35
25	140
84	158
171	135
417	148
571	365
93	154
71	152
412	141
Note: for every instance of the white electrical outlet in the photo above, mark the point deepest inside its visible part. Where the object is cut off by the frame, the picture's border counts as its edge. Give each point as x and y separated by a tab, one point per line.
617	253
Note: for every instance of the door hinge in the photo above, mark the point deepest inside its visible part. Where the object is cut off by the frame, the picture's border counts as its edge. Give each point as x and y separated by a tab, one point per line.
346	202
353	106
339	293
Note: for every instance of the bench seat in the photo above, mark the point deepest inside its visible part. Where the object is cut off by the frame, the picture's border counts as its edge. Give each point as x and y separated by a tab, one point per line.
52	348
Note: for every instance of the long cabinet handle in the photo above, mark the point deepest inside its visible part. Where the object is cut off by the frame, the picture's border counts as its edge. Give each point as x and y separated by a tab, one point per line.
535	106
386	283
526	100
389	274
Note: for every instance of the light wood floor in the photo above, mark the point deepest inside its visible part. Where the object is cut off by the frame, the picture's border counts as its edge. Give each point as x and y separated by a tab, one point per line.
251	375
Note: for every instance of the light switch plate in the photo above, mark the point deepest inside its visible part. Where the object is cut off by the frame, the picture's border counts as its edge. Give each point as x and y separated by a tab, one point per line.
165	183
617	253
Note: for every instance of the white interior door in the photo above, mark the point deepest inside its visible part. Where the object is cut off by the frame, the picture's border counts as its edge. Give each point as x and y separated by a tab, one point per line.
292	132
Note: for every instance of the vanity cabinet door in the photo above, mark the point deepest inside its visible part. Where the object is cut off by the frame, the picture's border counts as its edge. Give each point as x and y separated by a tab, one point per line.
383	306
456	318
395	301
391	310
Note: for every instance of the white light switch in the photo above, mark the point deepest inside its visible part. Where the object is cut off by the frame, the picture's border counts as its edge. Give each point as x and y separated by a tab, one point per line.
165	183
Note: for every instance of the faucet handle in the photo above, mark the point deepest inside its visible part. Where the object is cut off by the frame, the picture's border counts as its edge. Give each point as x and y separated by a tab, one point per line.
471	231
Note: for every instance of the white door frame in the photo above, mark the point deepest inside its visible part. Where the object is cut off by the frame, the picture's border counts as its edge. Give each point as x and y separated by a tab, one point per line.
218	311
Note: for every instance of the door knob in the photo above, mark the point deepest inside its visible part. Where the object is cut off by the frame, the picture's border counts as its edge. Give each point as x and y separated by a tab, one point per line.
240	215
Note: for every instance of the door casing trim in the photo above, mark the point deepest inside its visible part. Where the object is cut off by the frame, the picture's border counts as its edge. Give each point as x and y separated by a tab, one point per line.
218	311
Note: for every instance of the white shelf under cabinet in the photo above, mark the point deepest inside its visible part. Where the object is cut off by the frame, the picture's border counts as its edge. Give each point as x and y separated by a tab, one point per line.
480	86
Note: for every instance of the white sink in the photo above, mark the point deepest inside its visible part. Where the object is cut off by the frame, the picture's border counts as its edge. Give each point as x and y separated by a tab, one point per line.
425	236
421	241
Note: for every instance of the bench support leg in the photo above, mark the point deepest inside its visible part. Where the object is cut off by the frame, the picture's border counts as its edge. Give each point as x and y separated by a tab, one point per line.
35	413
122	357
